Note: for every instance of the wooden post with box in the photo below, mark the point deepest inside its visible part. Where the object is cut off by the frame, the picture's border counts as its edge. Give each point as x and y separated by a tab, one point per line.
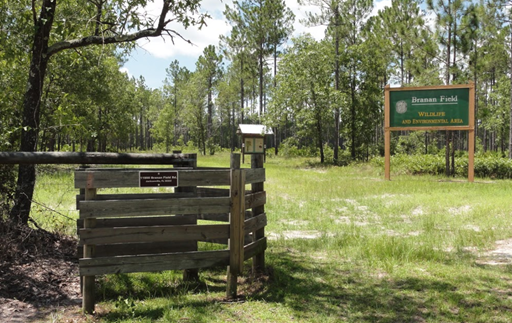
253	138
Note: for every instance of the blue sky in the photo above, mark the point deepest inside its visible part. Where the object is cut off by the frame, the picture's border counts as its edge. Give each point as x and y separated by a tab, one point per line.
153	56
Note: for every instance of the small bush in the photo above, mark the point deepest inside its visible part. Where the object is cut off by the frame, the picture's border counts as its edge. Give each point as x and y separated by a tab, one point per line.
290	148
7	186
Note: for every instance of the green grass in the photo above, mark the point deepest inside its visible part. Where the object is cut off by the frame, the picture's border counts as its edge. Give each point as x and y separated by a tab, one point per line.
54	202
345	246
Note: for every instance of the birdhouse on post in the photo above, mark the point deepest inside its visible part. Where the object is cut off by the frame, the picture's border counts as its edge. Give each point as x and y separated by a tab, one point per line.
253	138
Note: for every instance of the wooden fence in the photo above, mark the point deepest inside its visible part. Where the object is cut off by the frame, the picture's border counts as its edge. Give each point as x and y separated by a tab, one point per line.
147	232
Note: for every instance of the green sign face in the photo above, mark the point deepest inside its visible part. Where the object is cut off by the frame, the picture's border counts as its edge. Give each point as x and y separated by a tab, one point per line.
429	108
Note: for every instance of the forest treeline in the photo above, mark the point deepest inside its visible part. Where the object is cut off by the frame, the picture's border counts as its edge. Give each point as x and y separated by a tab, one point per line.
310	91
323	96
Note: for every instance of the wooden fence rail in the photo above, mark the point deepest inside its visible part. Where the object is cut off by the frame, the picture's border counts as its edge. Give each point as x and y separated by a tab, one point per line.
20	157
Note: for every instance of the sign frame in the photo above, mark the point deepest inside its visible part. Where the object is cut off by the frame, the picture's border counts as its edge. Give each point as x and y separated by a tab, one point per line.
254	145
439	90
149	178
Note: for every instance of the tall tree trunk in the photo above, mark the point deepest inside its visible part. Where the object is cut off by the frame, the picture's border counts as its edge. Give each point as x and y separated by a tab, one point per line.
510	127
210	110
276	129
454	76
232	126
447	153
241	90
141	132
337	85
167	137
261	81
475	80
401	63
175	103
454	139
353	116
32	111
447	81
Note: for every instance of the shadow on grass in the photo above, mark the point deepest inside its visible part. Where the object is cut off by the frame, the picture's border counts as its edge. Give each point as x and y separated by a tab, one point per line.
314	289
150	285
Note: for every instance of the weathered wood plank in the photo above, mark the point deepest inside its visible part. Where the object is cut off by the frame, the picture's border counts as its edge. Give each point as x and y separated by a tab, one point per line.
212	192
142	221
148	207
255	223
133	196
190	274
236	220
154	234
256	199
254	175
130	178
255	248
94	158
160	220
125	249
88	281
258	262
221	217
236	192
152	263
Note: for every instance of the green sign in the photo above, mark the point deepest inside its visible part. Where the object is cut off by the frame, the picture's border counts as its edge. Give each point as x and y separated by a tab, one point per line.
429	108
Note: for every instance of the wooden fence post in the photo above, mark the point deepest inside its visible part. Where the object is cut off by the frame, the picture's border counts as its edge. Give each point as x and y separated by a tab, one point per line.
190	275
258	261
236	226
82	193
88	282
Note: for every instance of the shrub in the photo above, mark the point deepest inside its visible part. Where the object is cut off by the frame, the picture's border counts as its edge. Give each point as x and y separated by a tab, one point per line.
491	166
7	186
290	148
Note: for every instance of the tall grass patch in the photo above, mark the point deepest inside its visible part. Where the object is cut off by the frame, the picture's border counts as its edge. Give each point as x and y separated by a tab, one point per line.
344	246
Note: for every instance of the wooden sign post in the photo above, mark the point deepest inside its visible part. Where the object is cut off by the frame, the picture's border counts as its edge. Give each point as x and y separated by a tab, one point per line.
449	107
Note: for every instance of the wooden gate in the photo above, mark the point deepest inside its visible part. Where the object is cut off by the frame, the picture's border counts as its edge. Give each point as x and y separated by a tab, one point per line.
147	232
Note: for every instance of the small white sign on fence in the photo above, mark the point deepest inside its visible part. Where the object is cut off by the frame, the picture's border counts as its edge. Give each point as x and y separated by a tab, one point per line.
158	179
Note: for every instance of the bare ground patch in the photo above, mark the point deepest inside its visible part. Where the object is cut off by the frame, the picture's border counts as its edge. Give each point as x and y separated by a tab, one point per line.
38	277
500	255
296	234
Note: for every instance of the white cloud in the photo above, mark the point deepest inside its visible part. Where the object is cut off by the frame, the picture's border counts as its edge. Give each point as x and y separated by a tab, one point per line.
163	47
380	5
430	20
300	12
125	70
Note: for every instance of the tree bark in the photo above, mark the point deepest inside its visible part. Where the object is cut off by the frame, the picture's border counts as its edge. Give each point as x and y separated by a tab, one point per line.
241	89
32	112
337	85
353	116
209	127
510	127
